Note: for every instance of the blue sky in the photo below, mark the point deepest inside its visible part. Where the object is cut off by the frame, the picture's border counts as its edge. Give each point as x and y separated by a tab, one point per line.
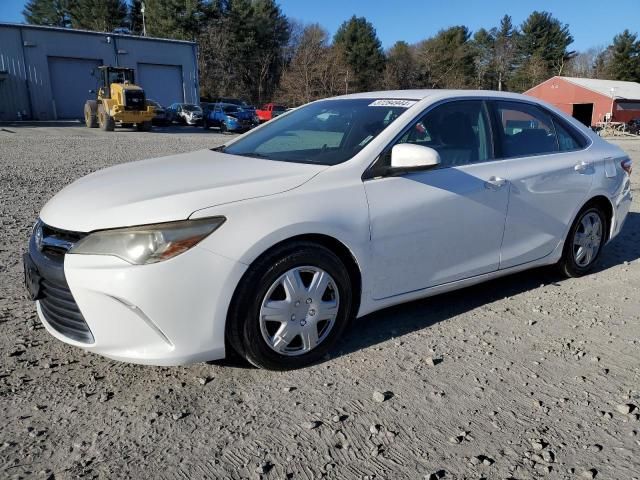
592	22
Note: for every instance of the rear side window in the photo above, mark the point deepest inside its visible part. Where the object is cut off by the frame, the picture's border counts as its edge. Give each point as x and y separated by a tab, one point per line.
568	139
524	130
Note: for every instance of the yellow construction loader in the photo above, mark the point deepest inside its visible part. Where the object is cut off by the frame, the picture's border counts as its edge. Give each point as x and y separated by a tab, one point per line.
118	100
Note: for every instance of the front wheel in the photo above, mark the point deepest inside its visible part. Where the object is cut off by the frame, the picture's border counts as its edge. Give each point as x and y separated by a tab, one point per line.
291	307
584	242
105	121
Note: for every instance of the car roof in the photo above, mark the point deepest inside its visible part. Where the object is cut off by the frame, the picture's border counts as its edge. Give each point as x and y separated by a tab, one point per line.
223	104
424	93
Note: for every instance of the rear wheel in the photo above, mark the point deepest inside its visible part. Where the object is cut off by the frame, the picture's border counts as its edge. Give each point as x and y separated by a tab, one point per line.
223	127
291	307
90	114
584	242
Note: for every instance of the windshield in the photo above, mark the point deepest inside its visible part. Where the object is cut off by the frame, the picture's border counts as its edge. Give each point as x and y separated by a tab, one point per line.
119	76
328	132
191	108
279	108
231	109
234	101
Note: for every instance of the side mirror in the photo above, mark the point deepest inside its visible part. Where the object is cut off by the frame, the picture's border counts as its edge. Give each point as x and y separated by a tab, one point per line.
406	157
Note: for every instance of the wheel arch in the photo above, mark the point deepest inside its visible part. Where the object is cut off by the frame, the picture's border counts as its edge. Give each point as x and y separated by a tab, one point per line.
605	204
329	242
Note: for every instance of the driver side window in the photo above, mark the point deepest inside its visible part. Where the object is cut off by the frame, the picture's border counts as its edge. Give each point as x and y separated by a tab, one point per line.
459	131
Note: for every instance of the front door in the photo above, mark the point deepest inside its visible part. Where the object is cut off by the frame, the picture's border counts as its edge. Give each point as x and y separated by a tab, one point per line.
441	225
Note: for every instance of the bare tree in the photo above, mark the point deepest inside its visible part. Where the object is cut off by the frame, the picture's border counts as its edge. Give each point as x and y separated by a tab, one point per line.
314	70
584	64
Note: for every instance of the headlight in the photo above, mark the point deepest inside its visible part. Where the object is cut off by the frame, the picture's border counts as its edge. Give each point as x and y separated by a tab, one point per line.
148	243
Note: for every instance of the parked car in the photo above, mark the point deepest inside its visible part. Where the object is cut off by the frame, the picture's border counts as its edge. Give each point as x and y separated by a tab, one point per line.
235	101
161	117
228	118
633	127
273	242
269	111
187	113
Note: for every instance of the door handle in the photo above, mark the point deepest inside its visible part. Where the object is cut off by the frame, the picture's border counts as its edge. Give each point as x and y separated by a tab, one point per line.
581	167
494	183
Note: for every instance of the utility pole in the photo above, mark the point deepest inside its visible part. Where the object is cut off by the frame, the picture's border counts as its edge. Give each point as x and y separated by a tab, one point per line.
613	92
144	25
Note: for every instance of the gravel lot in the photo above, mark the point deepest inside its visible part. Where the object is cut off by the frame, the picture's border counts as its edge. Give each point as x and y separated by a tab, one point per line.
529	376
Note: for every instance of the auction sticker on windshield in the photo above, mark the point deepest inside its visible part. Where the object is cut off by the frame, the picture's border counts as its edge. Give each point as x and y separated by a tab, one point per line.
393	103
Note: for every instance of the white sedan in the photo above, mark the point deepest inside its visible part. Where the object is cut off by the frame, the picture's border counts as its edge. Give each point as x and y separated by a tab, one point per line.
272	243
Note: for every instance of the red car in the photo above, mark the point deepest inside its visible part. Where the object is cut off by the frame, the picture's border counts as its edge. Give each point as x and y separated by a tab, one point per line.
269	111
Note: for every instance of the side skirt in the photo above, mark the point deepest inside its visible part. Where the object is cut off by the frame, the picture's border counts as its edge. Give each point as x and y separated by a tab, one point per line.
369	305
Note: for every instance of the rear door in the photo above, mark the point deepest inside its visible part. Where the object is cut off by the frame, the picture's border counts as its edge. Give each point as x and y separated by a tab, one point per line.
550	173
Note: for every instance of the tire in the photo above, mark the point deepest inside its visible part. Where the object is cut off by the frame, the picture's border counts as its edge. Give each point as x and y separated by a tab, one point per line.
205	124
223	127
144	126
326	312
582	247
105	120
90	114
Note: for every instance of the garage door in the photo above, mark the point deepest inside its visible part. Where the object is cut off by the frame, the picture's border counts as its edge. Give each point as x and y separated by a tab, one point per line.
71	81
162	83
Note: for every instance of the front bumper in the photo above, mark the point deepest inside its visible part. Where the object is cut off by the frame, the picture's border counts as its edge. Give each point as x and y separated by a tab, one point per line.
168	313
133	116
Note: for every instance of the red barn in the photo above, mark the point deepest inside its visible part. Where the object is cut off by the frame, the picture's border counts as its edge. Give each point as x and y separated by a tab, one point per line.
590	100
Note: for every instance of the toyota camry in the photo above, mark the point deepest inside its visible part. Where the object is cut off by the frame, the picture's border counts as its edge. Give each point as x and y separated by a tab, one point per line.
270	244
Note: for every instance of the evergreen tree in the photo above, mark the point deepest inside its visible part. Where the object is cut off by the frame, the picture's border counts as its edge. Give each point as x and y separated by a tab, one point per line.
625	57
179	19
98	15
506	38
447	60
483	46
48	12
242	49
362	52
135	17
541	49
401	67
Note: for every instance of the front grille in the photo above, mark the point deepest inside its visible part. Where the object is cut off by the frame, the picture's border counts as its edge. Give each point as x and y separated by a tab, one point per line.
57	242
62	312
134	100
56	301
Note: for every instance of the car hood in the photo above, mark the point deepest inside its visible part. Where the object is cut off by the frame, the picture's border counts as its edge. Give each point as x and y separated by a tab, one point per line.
168	188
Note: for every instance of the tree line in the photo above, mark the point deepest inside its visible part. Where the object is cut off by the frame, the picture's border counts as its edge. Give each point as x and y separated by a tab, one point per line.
250	49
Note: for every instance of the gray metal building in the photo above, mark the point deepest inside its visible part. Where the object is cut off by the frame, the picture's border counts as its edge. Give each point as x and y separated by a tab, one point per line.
46	72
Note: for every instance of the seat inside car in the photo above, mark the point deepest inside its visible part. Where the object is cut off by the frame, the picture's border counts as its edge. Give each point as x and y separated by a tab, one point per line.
458	141
529	142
